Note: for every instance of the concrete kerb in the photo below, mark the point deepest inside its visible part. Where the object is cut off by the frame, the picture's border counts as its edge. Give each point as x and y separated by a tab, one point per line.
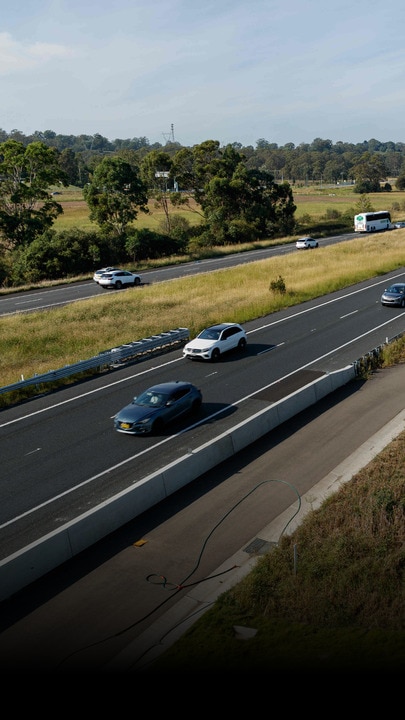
24	567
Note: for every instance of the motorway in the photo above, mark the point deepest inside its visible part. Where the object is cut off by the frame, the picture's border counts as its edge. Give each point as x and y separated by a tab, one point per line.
61	456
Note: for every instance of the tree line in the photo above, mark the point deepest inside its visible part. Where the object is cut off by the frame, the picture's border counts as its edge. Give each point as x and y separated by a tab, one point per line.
319	161
241	194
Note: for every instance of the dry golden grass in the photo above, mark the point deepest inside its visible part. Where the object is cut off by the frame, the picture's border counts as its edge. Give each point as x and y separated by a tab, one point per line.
76	213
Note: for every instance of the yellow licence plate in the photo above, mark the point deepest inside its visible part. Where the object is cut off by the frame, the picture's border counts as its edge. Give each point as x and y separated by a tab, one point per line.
125	426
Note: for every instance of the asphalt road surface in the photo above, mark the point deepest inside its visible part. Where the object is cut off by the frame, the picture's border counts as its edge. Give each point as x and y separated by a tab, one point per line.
88	612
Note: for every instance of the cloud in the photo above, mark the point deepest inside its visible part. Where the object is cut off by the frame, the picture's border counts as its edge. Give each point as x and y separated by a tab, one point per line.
17	57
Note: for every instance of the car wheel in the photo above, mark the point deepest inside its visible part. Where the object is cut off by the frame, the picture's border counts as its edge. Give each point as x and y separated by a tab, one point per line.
242	344
137	282
215	355
403	303
118	285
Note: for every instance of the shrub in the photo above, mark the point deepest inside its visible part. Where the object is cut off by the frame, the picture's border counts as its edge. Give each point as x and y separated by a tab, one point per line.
278	285
146	244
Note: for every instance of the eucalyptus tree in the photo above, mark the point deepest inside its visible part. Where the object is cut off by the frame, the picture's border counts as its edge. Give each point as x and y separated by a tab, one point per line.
70	165
369	171
115	196
335	170
163	175
155	172
27	207
239	203
248	205
400	183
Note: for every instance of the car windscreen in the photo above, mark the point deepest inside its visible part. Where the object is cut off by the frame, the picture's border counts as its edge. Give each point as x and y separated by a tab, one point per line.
151	399
209	334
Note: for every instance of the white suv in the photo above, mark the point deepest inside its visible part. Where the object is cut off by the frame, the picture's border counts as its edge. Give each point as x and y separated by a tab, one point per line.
216	340
118	279
305	243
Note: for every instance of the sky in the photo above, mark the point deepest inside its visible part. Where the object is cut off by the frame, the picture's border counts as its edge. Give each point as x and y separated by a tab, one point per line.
234	71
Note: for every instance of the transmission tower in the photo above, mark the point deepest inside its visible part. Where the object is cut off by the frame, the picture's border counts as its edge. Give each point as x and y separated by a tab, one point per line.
169	137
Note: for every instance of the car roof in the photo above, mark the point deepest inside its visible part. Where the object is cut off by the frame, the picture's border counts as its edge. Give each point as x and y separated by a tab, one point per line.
117	270
222	326
168	386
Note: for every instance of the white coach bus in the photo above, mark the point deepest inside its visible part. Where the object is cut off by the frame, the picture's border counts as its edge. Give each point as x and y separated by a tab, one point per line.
373	221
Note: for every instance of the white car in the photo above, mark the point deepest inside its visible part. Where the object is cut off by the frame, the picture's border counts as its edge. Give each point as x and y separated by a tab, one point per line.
214	341
97	275
118	279
306	242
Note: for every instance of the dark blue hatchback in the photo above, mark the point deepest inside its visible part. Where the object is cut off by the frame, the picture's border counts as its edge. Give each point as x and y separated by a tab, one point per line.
157	406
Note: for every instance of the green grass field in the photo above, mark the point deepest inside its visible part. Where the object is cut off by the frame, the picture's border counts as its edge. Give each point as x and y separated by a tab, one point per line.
315	202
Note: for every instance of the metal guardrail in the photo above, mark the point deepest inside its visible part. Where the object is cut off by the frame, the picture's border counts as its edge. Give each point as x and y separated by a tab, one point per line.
141	349
373	359
116	357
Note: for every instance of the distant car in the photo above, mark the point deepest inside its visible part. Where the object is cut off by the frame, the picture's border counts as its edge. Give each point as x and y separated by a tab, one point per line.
214	341
399	225
394	295
97	275
157	406
306	242
118	279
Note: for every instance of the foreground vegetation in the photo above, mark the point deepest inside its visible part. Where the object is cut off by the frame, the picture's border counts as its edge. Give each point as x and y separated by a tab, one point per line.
343	610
